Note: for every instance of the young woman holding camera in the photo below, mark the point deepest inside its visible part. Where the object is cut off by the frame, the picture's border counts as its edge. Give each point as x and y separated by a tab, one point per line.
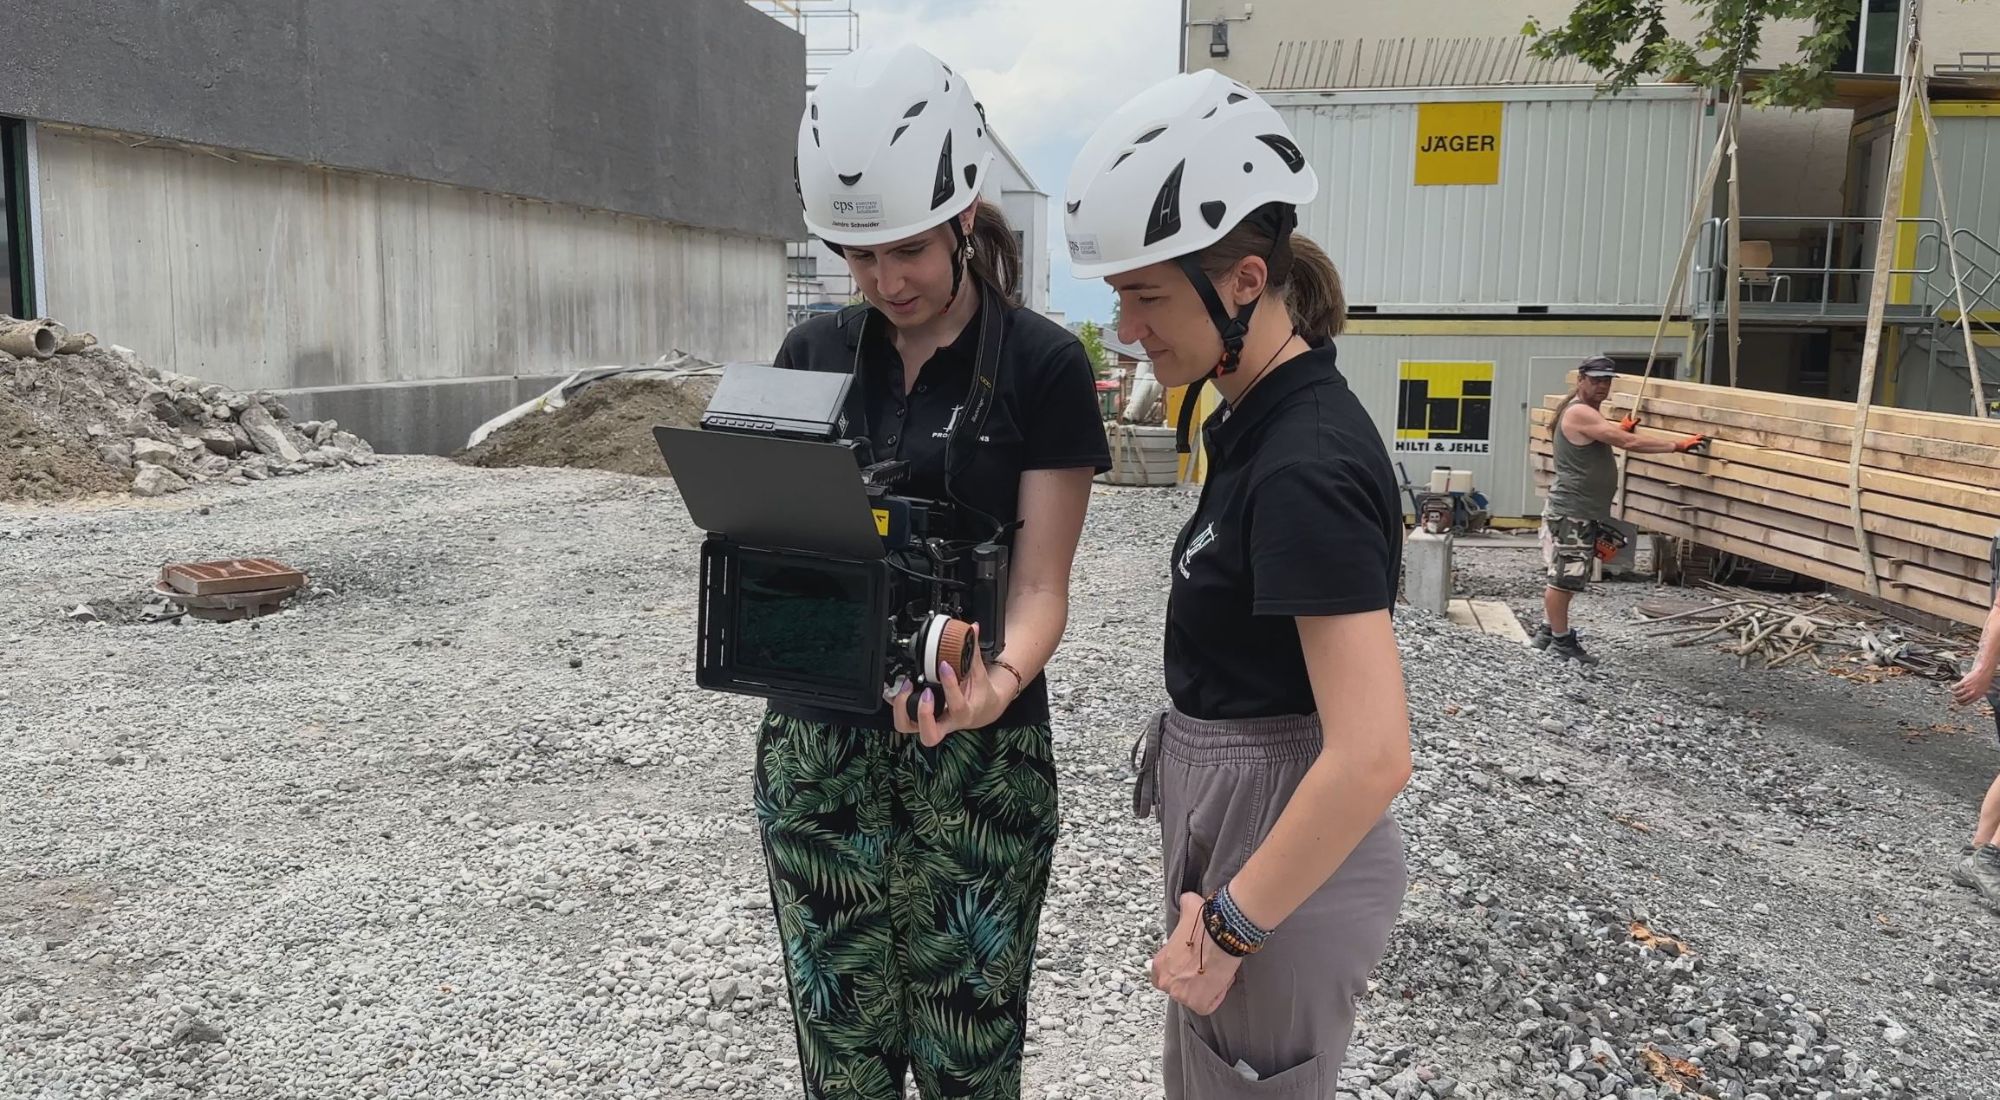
908	856
1273	772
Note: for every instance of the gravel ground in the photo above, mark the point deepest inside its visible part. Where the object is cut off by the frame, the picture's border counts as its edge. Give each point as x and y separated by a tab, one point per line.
459	825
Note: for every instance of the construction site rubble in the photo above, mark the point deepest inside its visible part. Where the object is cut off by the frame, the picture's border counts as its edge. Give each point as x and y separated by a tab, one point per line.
599	419
1823	631
98	419
1625	882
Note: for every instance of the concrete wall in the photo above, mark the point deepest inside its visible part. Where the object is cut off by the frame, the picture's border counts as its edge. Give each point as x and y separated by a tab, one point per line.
683	111
259	274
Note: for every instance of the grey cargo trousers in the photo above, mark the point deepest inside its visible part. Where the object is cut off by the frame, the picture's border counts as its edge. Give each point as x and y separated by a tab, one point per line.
1216	789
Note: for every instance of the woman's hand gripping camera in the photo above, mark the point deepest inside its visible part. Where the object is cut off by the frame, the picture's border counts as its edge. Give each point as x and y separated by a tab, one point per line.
976	702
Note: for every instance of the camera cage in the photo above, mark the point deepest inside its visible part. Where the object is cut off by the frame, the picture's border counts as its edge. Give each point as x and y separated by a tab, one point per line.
822	506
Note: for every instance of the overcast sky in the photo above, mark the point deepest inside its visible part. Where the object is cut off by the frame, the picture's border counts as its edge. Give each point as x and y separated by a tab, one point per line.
1048	72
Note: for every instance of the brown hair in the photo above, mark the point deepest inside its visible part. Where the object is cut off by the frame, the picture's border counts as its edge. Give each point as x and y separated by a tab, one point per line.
1303	273
996	255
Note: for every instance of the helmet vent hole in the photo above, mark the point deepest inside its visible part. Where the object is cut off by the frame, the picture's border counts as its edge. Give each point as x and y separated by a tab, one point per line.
815	137
1165	218
1149	135
1282	145
815	112
1120	160
851	180
972	175
917	110
1071	206
898	133
944	185
1237	97
1211	112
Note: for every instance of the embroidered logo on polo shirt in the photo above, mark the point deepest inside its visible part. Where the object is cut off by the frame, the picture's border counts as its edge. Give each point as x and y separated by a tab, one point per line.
1195	546
952	425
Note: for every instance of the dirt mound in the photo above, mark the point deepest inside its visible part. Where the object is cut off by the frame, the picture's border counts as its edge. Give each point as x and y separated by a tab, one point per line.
35	465
607	425
100	420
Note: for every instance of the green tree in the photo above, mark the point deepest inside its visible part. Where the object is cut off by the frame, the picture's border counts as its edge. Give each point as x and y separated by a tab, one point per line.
1093	346
1627	40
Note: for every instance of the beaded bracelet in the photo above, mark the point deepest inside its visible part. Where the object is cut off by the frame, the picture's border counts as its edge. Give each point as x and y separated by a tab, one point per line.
1229	928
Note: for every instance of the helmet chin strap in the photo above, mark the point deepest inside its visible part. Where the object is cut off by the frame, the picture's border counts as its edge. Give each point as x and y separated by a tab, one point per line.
1233	330
961	251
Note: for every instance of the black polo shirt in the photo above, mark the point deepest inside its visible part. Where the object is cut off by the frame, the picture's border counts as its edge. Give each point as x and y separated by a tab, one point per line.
1044	416
1299	515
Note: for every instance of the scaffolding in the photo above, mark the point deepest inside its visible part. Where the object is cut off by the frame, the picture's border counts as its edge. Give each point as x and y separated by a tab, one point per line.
831	28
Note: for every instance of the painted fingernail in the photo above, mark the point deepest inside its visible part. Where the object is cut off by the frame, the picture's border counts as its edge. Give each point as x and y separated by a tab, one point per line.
926	698
947	673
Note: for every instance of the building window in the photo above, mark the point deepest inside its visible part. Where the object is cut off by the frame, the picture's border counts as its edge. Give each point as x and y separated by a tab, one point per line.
1873	43
16	290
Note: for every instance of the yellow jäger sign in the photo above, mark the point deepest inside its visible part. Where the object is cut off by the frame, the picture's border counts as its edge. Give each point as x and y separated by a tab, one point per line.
1444	407
1458	143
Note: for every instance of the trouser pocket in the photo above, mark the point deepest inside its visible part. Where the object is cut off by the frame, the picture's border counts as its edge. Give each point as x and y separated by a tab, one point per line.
1206	1074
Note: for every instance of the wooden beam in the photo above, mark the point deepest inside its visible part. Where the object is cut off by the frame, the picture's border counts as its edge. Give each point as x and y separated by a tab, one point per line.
1929	425
1724	427
1818	569
1947	522
1896	561
1983	505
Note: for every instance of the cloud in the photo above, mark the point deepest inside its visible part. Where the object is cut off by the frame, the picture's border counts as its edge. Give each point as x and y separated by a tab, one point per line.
1047	71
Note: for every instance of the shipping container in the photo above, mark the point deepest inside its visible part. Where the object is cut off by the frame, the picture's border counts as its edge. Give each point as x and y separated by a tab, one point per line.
1502	201
1457	392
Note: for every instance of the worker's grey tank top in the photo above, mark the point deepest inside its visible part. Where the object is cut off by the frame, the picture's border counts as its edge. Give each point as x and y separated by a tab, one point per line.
1586	476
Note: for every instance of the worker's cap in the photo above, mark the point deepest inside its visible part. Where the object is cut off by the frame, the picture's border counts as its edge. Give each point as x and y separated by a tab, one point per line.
1598	366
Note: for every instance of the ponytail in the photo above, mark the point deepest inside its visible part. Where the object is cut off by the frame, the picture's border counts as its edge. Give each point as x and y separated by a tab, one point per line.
1301	271
1319	306
996	255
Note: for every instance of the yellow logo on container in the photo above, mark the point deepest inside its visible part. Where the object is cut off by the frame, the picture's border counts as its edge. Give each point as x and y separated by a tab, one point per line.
1444	408
1458	143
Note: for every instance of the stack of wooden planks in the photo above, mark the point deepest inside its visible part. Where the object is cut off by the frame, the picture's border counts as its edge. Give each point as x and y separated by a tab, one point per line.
1775	487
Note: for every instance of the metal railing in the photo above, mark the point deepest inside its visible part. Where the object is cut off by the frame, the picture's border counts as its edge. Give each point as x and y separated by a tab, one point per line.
1811	290
1979	278
1971	63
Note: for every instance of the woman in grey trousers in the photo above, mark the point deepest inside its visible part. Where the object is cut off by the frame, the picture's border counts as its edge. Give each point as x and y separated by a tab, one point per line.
1273	772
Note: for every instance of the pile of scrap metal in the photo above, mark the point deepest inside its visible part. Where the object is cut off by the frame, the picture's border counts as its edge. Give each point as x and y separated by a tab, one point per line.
1822	630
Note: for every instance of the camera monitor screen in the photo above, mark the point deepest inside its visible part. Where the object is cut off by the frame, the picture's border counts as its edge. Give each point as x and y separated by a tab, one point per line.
804	619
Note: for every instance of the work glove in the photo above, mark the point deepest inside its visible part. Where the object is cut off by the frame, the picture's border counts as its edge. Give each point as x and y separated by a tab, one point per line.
1630	424
1694	445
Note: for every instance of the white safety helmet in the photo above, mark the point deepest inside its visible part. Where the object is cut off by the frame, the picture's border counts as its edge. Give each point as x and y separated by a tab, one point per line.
1173	171
891	144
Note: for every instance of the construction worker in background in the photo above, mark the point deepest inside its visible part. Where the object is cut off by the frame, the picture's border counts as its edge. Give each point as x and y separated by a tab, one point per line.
1578	512
1980	869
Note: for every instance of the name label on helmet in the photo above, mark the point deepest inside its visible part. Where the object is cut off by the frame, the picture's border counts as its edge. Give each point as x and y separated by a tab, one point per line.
1084	249
858	212
1458	144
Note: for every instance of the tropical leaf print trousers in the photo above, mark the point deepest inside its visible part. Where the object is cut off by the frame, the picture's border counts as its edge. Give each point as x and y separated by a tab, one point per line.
908	885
